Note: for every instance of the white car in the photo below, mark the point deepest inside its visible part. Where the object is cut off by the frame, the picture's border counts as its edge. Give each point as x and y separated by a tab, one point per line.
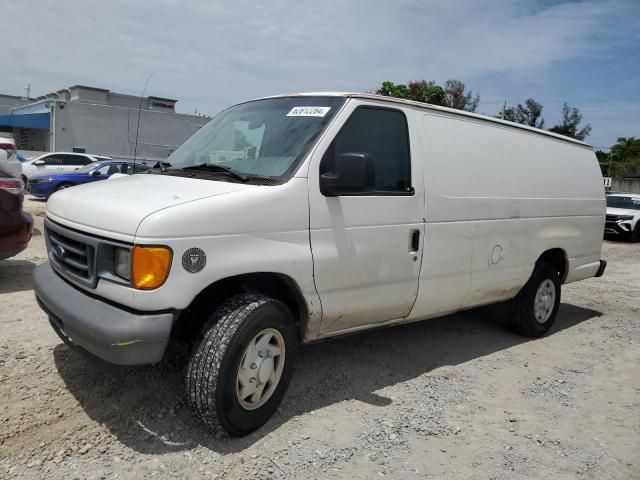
623	216
301	217
9	163
57	162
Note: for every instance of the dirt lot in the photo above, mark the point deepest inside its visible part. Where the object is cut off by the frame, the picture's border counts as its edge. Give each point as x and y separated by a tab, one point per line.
456	397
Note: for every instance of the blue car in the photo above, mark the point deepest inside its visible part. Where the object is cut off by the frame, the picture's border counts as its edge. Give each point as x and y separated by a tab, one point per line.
42	186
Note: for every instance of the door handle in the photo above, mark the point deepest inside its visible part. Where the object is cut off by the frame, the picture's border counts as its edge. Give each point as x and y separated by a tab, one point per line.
415	241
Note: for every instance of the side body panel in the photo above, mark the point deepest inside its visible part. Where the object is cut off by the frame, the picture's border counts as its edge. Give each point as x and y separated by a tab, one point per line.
501	197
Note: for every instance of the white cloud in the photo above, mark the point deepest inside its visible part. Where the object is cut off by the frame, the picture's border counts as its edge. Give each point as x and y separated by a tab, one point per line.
209	54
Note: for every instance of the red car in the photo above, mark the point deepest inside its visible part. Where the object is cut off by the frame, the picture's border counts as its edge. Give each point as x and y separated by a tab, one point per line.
16	226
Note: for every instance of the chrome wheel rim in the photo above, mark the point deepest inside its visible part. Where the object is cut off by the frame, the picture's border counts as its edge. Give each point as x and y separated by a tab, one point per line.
260	369
545	301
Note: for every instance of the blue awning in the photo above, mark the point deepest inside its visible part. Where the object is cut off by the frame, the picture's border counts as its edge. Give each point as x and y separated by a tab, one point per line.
38	121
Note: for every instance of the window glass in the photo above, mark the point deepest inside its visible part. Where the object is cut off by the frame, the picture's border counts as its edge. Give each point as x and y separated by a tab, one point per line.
88	168
53	160
630	203
264	139
114	168
107	169
382	134
75	160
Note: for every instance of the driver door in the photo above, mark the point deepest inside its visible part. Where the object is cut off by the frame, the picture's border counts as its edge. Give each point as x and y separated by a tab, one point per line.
367	247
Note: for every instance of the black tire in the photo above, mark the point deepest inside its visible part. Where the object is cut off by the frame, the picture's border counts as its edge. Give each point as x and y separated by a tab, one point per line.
62	186
635	235
25	182
521	309
213	367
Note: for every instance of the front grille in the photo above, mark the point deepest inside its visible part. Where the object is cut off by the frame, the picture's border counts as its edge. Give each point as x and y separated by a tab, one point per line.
72	254
612	218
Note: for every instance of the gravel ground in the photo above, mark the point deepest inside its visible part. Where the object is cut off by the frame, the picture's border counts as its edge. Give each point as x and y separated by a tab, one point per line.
455	397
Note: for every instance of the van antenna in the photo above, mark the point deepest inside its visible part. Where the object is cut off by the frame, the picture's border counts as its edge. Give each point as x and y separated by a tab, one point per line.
135	148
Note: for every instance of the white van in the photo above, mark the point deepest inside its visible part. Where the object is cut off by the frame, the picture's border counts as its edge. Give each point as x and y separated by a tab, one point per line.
291	219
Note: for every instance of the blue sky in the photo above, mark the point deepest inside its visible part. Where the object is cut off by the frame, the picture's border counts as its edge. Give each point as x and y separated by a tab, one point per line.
211	54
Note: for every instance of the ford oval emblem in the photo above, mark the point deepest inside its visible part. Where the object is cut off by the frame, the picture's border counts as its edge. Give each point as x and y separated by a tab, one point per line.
59	250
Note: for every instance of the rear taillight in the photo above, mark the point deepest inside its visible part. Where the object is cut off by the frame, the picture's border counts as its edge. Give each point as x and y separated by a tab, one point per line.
11	185
10	148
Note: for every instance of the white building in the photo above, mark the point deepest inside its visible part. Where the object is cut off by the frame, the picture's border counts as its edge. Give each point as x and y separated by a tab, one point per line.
99	121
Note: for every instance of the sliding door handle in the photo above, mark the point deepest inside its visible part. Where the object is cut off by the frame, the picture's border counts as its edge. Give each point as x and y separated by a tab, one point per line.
415	241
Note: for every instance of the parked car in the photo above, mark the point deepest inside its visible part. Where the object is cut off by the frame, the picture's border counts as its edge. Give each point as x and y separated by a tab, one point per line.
57	162
298	218
15	225
623	216
21	158
9	163
42	186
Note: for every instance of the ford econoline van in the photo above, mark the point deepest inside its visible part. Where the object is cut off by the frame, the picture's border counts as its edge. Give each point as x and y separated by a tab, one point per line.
296	218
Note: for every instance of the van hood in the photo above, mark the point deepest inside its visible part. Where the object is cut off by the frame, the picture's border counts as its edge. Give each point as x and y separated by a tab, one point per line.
115	207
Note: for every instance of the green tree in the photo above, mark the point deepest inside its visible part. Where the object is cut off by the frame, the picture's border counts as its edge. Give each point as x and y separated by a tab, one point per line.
528	114
458	98
624	156
453	95
571	120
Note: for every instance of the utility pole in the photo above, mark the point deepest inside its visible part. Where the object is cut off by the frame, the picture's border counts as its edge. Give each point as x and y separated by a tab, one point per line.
504	108
28	90
135	149
609	169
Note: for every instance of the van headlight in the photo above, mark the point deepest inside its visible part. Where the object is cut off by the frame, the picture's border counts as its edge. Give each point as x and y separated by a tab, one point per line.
150	266
122	263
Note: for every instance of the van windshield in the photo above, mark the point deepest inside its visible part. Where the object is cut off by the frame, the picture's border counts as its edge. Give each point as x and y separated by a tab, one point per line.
262	140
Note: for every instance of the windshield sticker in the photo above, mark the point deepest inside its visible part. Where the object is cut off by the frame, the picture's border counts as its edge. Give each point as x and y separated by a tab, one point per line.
308	111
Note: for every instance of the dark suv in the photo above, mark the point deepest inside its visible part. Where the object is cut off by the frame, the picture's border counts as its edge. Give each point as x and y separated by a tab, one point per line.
15	225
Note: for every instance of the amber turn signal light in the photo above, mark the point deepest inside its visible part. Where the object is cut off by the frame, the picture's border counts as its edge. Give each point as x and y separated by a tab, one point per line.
149	266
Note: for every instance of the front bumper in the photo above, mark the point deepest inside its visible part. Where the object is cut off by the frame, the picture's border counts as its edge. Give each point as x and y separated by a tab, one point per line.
618	228
109	332
40	190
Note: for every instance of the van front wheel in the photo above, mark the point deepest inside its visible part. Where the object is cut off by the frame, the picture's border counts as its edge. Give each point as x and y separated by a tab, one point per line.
240	371
534	309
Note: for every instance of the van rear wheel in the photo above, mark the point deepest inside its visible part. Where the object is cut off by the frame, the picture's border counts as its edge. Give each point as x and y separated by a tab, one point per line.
238	374
533	311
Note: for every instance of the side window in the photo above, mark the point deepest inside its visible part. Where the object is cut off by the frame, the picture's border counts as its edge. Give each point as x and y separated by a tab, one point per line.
105	170
75	160
52	160
114	168
383	135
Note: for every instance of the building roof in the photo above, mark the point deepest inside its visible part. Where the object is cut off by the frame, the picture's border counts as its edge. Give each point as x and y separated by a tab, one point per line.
87	88
163	99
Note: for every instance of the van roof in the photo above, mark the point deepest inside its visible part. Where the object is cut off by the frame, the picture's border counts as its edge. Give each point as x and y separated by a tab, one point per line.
428	106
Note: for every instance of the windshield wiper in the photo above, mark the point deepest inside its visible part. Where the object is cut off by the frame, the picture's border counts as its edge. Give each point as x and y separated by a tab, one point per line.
209	167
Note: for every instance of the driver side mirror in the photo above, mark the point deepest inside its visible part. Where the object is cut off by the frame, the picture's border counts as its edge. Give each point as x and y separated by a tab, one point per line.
95	173
354	174
38	163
